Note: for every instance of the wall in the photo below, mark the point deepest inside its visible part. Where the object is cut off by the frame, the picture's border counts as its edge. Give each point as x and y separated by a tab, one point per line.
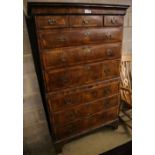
36	134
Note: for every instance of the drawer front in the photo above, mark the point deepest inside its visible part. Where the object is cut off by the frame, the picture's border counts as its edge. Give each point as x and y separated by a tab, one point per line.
101	118
63	100
113	20
86	21
85	110
62	57
76	76
45	22
70	37
87	123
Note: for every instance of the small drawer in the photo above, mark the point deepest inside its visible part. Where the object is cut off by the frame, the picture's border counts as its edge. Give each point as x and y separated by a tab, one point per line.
113	20
86	21
64	100
85	110
45	22
62	57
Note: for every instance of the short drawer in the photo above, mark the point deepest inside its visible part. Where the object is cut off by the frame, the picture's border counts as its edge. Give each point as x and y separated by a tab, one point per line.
86	21
68	56
89	123
85	110
68	99
44	22
113	20
80	75
71	37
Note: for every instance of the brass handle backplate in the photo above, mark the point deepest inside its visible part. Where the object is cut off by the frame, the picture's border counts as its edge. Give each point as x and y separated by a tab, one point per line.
87	34
87	50
87	67
106	70
106	91
108	36
113	20
68	101
85	21
51	21
62	39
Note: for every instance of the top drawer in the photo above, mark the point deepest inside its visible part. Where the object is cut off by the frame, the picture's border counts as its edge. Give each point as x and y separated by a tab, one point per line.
45	22
113	20
86	21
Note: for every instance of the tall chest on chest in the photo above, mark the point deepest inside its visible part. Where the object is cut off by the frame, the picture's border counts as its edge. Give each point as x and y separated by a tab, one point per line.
77	52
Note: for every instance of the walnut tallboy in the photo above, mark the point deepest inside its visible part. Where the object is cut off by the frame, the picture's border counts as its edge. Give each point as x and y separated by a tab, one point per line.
77	52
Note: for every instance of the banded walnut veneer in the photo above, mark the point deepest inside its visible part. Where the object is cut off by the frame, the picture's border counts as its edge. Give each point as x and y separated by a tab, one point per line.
77	52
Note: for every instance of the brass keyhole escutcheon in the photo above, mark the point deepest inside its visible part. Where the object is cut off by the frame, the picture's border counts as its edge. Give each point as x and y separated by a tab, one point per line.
109	52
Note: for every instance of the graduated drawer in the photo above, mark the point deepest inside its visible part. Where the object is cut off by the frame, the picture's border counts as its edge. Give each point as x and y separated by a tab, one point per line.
69	115
45	22
67	56
70	37
113	20
86	21
68	99
80	75
86	124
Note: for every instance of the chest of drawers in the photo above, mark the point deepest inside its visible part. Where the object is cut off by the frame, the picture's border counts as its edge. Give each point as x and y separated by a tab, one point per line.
77	52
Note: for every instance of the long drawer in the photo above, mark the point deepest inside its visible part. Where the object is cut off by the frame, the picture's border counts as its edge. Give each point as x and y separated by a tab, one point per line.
62	57
80	75
87	123
69	115
68	99
70	37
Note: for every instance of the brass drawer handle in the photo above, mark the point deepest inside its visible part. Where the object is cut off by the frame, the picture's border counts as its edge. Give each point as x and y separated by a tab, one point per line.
106	91
106	70
87	34
62	39
68	101
85	21
108	36
109	52
87	50
114	20
51	21
87	67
